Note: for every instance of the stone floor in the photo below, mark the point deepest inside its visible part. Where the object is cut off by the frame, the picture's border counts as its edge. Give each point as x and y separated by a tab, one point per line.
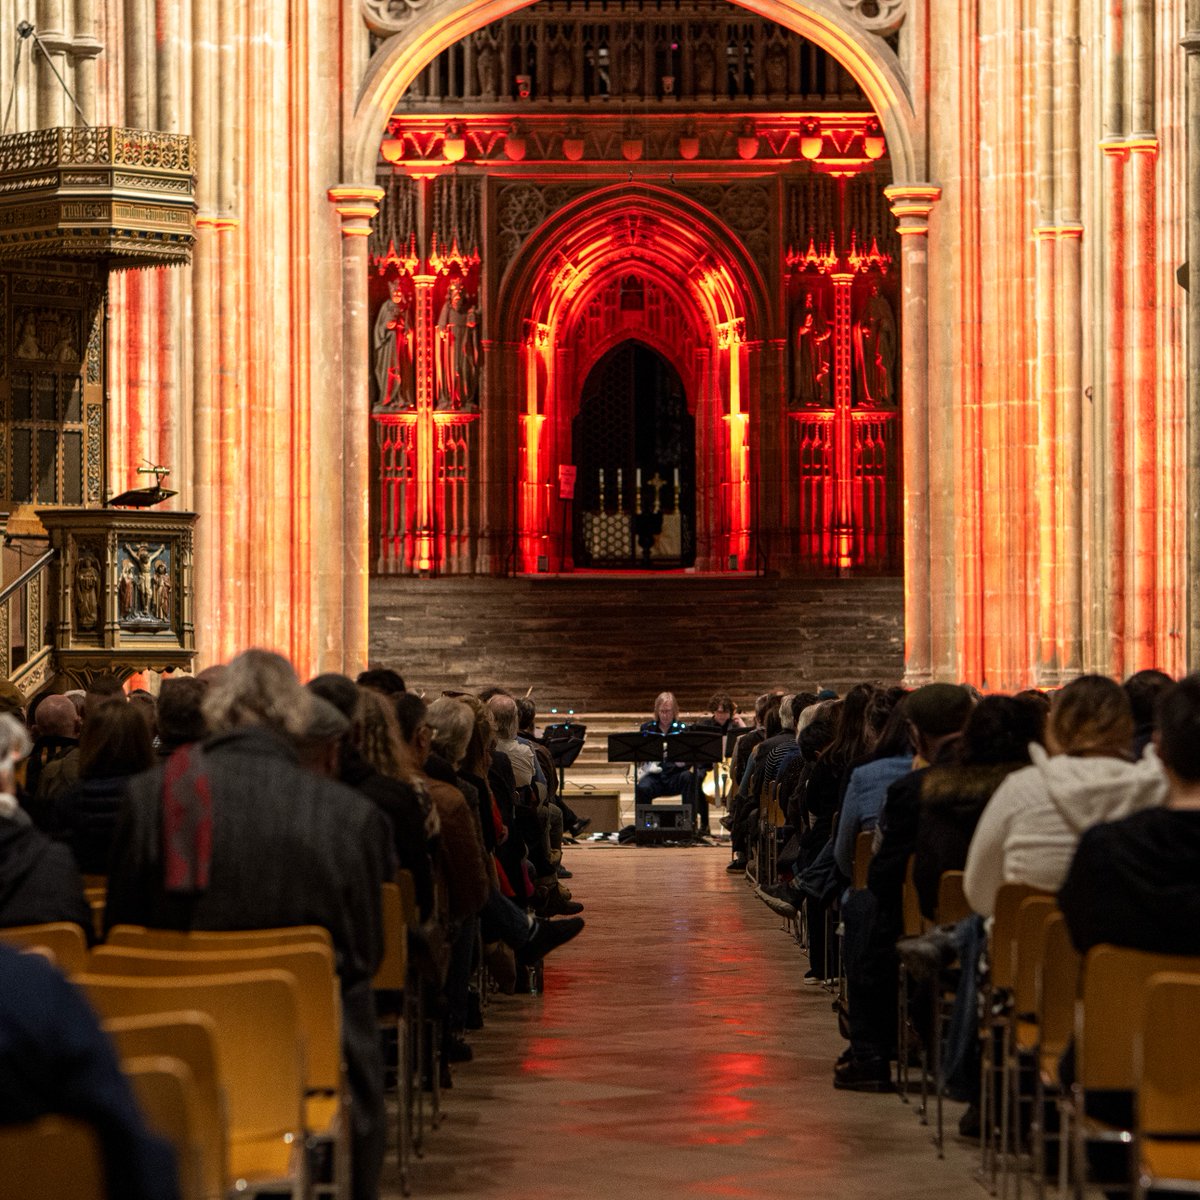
676	1052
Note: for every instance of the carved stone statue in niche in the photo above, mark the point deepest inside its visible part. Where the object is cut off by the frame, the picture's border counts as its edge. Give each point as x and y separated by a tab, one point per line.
161	592
775	69
457	351
392	344
141	584
631	68
486	64
814	376
46	335
562	73
87	592
875	351
705	68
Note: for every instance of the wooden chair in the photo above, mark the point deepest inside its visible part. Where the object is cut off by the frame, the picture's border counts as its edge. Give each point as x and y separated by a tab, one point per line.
51	1157
64	939
1167	1068
258	1052
864	851
140	937
190	1037
1056	986
164	1091
995	1029
326	1107
1112	995
952	905
1023	1033
392	977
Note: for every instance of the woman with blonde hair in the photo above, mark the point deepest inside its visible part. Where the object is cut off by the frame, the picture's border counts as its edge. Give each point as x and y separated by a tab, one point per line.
1086	775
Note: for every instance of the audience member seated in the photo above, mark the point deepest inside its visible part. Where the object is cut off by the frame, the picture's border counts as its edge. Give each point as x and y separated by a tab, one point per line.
63	772
55	731
39	880
55	1060
1136	882
867	784
373	760
1144	689
936	713
114	746
235	834
383	680
995	742
1030	828
180	714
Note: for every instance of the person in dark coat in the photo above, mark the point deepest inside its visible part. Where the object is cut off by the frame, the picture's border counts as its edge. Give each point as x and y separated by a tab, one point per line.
55	734
1136	882
39	881
995	742
285	846
115	745
55	1060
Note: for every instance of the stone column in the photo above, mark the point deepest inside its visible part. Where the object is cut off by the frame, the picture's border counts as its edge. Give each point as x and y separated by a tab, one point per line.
911	206
356	205
53	106
1191	45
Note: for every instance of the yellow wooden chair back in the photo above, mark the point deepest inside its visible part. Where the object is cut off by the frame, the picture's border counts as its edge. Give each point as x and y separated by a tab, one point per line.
51	1157
864	851
258	1053
952	905
190	1037
164	1089
1027	951
1009	899
64	939
393	968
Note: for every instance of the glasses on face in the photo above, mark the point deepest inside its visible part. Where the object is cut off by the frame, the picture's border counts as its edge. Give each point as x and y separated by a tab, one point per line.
455	695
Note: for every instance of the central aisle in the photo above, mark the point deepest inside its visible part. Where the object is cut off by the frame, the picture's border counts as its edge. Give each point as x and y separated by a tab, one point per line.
676	1052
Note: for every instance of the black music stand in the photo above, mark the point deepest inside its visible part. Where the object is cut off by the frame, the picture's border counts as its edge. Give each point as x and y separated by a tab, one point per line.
564	742
691	747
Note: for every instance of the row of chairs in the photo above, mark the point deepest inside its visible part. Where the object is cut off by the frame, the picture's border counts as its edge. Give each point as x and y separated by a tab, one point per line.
232	1041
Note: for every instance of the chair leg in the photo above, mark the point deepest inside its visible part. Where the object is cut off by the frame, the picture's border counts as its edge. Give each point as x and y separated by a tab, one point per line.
404	1097
939	1084
902	1043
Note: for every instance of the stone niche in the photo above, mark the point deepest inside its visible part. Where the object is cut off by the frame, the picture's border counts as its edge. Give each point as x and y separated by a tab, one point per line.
121	592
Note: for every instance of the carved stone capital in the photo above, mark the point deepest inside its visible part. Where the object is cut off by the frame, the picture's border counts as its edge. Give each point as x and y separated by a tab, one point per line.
386	17
357	205
911	205
878	16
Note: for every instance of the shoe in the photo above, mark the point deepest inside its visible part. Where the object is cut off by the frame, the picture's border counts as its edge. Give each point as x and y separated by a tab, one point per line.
455	1049
927	955
726	822
502	967
555	904
547	936
579	826
738	864
813	980
563	873
864	1075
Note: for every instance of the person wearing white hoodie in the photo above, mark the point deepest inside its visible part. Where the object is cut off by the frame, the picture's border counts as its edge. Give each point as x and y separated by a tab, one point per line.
1033	822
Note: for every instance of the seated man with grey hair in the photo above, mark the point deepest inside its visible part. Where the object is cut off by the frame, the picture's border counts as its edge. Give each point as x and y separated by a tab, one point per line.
236	833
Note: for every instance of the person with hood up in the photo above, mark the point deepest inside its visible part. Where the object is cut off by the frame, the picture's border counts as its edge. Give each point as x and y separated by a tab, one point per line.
1033	822
39	880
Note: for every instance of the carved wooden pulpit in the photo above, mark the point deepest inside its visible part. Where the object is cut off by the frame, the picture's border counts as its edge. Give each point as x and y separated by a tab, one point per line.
122	593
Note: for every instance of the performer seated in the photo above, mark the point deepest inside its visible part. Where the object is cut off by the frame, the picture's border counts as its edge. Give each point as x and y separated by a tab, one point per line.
669	778
724	717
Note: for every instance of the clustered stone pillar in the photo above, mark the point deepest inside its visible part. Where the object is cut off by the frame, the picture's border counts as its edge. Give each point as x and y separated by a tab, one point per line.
911	206
1191	46
356	205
